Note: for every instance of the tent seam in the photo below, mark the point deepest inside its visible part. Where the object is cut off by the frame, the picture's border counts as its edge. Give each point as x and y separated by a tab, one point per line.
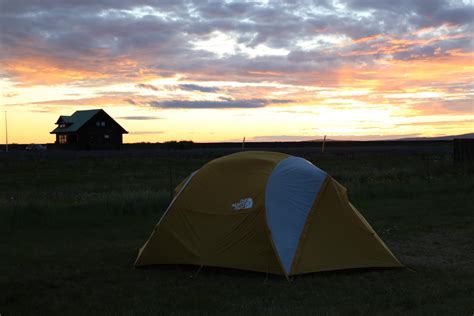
307	225
269	232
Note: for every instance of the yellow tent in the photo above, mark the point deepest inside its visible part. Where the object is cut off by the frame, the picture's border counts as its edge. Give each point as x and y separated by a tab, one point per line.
268	212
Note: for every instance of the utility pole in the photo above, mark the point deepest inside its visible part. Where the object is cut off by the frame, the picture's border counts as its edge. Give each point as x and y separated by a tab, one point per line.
6	132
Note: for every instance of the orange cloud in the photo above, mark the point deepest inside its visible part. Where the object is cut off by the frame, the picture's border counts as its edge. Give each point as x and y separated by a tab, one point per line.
390	44
442	69
99	101
367	38
42	71
30	72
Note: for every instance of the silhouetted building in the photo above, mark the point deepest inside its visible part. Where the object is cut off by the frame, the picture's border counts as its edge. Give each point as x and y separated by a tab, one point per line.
90	129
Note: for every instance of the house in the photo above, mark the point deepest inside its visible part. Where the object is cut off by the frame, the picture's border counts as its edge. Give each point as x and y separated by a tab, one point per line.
89	129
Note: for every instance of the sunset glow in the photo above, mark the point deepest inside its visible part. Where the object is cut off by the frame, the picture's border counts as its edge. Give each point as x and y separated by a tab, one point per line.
219	71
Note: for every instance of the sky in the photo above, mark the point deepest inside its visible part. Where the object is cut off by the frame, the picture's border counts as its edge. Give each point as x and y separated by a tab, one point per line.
211	71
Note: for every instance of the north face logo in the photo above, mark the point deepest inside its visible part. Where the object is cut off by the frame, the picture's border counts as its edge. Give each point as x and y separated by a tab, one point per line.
243	204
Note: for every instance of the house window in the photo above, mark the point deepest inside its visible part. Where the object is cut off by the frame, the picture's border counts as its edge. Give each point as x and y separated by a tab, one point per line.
106	136
62	139
62	125
102	123
97	123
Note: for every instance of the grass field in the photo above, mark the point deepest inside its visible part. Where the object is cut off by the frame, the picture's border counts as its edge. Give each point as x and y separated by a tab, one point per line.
71	228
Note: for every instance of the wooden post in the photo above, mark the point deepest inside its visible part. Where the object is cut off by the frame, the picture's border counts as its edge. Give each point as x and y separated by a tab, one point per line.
243	143
324	142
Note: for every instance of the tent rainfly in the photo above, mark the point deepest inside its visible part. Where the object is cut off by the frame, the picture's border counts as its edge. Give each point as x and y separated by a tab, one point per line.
268	212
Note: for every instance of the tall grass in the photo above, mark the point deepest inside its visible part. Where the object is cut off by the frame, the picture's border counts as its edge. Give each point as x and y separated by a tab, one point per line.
70	231
82	209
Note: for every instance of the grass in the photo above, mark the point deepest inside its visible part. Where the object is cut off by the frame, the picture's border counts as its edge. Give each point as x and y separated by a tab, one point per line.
70	231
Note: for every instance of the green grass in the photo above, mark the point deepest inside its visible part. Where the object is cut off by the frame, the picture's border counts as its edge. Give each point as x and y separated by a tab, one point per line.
70	231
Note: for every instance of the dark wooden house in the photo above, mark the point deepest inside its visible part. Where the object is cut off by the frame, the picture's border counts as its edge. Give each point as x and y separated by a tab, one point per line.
89	129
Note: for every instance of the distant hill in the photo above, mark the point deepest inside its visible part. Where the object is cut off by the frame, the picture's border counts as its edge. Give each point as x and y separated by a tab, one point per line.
346	139
451	137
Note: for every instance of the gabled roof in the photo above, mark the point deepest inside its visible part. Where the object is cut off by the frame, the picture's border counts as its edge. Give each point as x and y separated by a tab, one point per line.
64	118
77	120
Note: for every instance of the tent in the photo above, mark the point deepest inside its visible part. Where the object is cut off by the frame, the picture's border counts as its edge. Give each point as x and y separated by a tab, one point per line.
268	212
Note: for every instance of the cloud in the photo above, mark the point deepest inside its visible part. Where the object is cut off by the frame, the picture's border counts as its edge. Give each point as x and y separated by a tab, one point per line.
462	105
227	104
195	87
146	132
437	123
131	101
139	118
95	42
184	86
147	86
97	101
10	95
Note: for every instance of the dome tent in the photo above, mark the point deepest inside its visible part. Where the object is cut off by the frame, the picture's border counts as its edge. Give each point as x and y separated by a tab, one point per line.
268	212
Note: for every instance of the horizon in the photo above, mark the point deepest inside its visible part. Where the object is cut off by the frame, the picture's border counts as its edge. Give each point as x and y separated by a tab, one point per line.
277	139
218	72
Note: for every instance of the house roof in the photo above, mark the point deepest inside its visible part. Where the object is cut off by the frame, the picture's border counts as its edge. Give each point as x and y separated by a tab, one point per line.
76	121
